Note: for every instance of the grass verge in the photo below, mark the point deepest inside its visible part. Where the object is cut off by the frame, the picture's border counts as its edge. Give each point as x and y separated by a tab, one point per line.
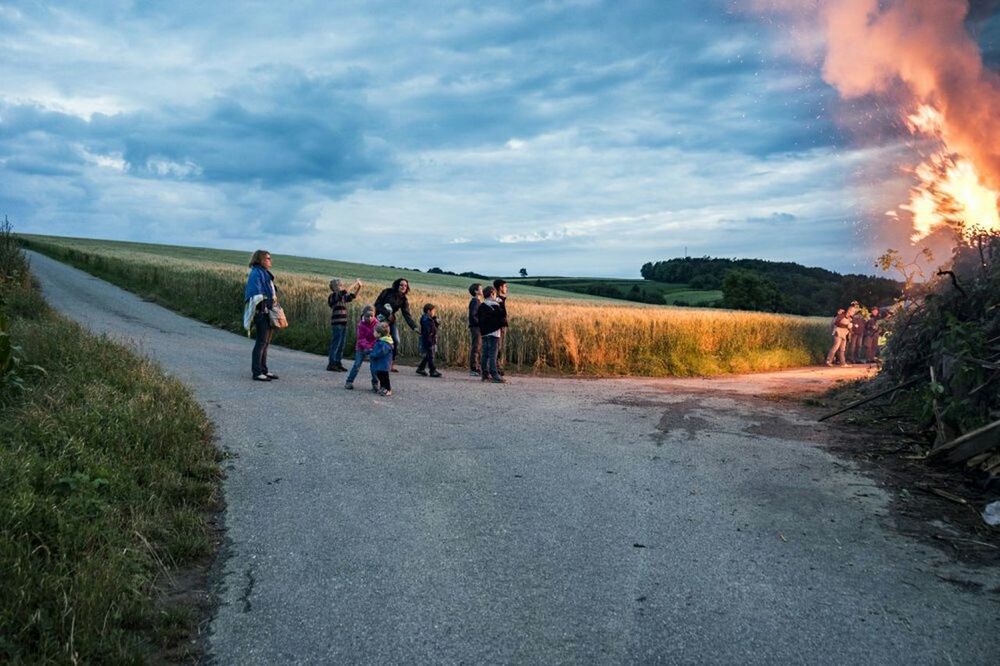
108	477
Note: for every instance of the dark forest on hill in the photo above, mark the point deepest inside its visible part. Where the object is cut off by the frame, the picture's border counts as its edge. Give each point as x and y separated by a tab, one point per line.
774	286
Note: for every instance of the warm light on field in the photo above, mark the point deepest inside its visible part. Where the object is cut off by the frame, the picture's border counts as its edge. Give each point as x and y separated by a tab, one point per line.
582	336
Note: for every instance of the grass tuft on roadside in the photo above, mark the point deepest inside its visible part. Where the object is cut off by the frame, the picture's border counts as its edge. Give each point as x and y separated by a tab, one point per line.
108	475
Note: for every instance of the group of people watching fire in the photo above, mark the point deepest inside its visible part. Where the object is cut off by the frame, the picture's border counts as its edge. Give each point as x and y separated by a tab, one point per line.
855	336
856	331
377	335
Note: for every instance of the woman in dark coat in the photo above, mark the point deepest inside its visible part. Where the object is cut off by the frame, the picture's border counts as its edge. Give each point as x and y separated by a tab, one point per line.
259	297
388	303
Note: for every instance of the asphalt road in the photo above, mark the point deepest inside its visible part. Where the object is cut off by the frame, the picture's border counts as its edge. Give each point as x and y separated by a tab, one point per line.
543	521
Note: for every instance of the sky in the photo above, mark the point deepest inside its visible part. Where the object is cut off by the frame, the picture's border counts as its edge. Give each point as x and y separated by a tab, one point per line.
564	137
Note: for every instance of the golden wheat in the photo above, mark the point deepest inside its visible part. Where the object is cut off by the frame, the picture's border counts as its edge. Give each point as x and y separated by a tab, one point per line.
564	335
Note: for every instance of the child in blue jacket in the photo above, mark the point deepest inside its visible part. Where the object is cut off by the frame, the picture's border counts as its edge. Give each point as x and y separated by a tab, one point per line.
381	358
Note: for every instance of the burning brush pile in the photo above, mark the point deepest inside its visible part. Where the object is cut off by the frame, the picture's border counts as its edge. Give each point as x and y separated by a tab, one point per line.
944	348
920	61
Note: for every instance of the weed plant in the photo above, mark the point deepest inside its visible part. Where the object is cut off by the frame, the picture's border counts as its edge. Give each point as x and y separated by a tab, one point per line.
107	473
559	335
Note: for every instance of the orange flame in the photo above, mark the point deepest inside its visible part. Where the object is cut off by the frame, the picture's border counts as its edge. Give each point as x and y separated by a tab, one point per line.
949	192
918	53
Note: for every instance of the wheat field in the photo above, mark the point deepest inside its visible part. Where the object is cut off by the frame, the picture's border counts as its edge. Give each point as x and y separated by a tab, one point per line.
548	334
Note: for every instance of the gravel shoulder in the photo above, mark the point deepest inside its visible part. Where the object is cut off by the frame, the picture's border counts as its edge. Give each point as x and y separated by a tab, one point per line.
545	520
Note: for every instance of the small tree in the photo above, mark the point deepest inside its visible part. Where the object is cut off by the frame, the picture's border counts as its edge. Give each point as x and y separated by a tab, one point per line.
892	260
745	290
523	272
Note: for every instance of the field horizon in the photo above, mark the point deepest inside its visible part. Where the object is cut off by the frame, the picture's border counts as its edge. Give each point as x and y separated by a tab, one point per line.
337	268
552	330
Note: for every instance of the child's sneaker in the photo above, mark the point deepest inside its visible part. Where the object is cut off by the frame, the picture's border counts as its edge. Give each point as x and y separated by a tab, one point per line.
422	373
474	373
435	374
349	386
385	393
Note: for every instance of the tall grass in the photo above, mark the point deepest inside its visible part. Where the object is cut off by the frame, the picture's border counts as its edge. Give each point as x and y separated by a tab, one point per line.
107	472
561	335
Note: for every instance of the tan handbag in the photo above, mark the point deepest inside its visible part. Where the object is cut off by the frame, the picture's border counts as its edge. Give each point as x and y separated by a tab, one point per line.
278	318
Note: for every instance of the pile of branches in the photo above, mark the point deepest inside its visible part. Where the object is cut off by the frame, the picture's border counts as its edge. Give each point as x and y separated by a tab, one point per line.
945	343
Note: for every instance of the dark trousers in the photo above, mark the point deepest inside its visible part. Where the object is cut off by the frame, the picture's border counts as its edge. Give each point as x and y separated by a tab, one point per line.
258	359
854	349
428	360
475	348
383	380
871	347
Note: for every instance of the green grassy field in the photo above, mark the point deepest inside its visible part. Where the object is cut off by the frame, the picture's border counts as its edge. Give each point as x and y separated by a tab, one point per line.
109	476
305	266
551	331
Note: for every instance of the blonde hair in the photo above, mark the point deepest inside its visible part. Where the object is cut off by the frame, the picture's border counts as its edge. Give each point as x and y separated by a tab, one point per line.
382	329
336	284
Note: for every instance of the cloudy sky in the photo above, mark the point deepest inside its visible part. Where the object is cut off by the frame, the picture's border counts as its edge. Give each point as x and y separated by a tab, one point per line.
568	137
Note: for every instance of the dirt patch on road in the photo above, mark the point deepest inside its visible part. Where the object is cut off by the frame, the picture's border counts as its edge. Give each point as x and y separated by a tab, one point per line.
881	449
938	506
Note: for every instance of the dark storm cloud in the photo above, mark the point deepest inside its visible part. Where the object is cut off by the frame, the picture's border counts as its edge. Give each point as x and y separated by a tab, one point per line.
283	130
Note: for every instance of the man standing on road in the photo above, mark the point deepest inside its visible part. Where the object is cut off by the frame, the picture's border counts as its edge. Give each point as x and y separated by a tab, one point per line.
873	329
501	297
854	349
475	337
841	327
491	321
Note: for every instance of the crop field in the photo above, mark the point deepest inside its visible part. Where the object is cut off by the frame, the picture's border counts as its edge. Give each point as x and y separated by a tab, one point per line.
304	266
551	331
662	292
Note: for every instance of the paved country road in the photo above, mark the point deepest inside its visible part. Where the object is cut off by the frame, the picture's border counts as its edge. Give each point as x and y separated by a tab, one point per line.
544	521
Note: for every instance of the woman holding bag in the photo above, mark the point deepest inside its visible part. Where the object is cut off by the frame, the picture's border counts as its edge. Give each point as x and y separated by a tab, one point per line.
260	305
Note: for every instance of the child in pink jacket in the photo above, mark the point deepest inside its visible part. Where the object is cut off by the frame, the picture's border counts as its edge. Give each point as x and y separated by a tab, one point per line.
366	338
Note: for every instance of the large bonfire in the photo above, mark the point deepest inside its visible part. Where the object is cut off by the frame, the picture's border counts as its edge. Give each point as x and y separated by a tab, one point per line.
919	58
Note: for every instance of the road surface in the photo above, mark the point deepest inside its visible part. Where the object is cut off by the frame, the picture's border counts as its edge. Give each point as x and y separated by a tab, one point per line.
546	520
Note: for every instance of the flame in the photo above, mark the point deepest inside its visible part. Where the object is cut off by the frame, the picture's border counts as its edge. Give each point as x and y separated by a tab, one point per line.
949	191
918	56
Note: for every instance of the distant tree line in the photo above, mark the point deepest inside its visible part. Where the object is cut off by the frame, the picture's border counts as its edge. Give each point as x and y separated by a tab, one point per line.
774	286
468	274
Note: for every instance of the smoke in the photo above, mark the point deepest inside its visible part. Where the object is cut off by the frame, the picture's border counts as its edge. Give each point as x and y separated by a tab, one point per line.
920	47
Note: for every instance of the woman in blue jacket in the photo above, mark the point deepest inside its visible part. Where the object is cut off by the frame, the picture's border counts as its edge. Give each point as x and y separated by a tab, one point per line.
258	298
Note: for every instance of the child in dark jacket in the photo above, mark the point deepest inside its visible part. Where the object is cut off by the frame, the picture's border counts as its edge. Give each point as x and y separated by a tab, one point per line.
492	319
428	341
475	337
381	358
